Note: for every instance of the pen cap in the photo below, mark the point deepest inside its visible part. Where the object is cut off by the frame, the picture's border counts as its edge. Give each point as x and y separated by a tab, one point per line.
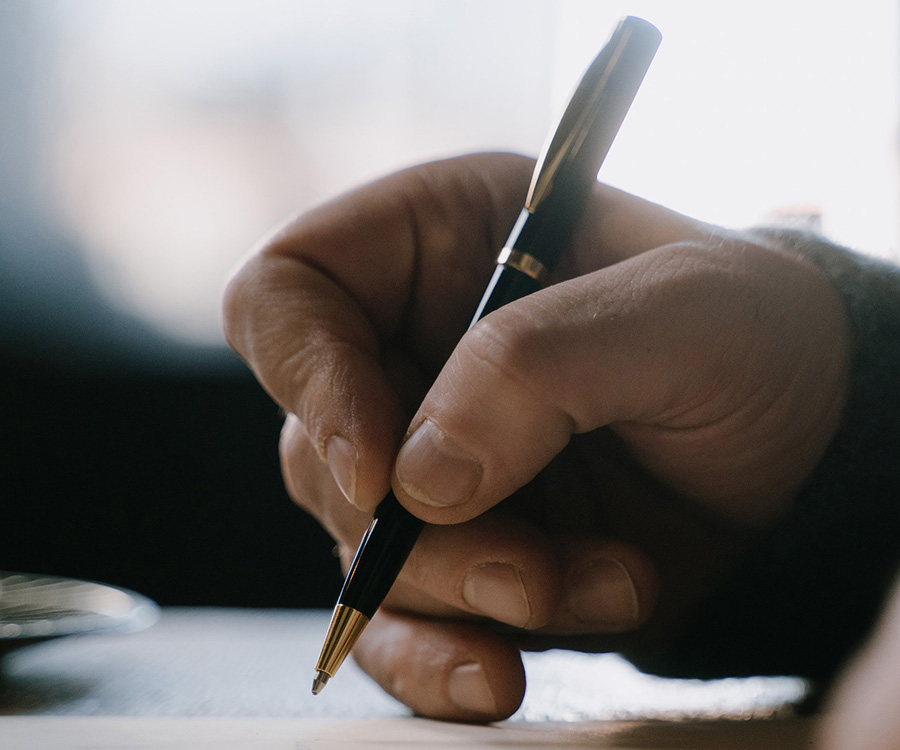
571	159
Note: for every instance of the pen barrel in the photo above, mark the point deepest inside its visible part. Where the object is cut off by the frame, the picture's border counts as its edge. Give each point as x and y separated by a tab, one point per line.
384	548
535	239
564	177
506	284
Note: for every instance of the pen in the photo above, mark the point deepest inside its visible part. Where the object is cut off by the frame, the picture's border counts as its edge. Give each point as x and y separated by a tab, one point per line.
559	189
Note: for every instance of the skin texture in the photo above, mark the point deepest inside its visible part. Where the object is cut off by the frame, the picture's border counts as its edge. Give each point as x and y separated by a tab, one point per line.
591	458
863	712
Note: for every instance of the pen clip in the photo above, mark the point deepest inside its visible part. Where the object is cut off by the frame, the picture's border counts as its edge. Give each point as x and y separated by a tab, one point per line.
595	110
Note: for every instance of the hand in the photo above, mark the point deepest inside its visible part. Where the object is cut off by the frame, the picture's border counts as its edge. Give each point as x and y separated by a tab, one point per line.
592	457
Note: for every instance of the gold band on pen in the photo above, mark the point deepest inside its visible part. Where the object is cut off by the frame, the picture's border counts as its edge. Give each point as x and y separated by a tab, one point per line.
523	262
346	625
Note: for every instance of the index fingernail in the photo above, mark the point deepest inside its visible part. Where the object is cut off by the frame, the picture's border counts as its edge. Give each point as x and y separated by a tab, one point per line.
341	457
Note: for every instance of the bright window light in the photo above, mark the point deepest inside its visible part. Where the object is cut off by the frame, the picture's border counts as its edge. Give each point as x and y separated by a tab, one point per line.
183	130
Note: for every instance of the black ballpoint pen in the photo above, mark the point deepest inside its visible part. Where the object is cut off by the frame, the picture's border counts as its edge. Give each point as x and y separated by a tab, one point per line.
559	189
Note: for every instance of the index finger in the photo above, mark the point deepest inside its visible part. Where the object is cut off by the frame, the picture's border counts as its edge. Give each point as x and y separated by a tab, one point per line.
397	263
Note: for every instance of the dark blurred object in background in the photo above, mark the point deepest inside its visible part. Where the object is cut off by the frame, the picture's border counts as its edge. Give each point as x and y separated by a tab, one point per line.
125	456
134	460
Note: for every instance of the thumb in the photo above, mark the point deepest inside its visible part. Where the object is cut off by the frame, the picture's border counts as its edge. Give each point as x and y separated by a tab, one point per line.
683	349
570	358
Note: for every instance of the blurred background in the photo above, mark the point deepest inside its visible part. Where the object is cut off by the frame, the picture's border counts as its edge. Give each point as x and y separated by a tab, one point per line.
145	146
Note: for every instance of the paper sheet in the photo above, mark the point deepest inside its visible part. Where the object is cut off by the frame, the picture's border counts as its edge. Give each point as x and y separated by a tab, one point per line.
100	733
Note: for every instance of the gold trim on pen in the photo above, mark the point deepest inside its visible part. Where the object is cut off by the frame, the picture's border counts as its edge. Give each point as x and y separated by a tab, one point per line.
346	626
523	262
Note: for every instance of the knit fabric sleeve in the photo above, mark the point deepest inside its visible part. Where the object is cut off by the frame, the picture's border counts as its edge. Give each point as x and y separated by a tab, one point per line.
809	592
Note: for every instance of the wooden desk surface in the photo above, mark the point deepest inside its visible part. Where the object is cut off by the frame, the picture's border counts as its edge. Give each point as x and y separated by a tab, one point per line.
241	678
100	733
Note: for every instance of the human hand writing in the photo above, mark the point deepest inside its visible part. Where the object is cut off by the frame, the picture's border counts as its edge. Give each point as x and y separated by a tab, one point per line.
592	458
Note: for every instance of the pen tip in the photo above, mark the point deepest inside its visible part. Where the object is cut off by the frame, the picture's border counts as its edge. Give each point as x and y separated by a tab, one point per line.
319	682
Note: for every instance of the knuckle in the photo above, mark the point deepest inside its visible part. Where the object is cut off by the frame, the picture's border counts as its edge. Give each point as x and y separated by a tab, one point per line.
510	349
316	376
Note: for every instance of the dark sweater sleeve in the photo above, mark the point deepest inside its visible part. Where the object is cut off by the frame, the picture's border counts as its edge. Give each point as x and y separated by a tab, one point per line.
810	591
